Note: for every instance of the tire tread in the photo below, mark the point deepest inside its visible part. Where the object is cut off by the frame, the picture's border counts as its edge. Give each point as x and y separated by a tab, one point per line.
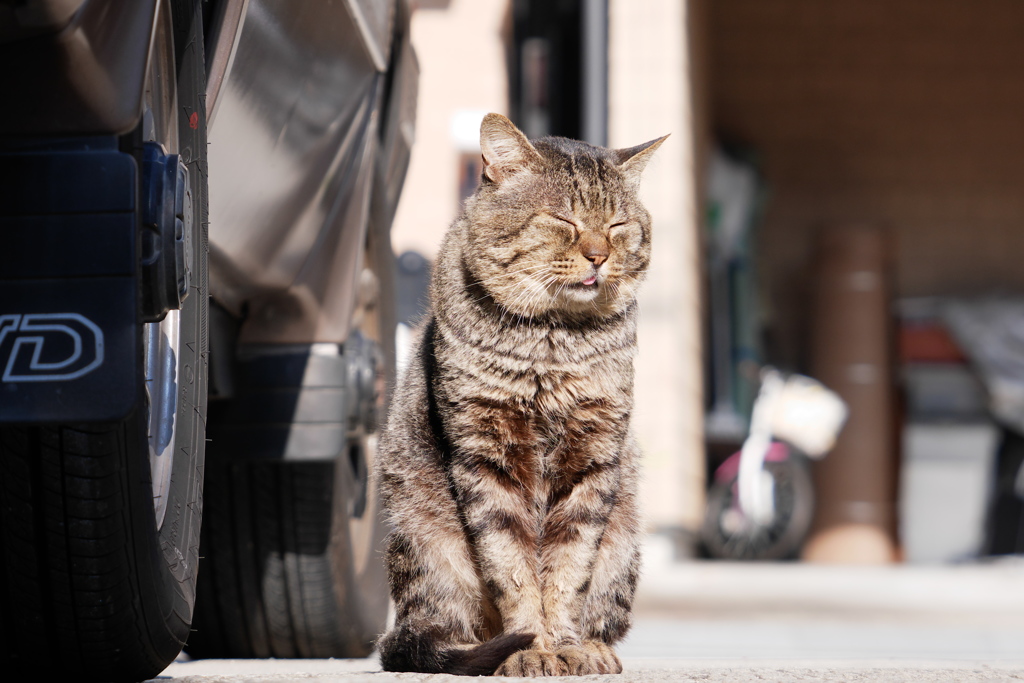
269	587
66	575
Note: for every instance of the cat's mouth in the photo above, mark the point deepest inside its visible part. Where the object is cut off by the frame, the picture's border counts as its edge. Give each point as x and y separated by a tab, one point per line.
588	283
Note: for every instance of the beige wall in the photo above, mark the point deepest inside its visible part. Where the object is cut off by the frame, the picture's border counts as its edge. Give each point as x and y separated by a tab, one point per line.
462	69
652	78
904	113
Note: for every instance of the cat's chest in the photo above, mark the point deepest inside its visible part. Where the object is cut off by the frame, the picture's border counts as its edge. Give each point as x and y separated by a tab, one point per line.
550	352
552	372
544	371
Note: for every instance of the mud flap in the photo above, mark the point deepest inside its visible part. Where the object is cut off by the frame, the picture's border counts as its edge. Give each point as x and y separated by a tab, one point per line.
69	291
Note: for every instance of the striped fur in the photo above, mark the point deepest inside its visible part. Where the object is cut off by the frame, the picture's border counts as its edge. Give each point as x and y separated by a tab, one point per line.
507	470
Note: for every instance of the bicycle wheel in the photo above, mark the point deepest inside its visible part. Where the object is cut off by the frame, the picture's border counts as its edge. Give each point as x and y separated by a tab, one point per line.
728	534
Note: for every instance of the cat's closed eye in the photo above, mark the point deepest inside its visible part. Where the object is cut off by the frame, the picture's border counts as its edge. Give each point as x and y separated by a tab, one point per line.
625	235
568	228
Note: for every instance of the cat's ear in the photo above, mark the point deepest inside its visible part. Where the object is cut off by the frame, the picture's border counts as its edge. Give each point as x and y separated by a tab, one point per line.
505	149
632	160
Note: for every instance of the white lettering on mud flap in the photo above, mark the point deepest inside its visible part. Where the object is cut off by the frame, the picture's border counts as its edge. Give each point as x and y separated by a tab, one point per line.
48	347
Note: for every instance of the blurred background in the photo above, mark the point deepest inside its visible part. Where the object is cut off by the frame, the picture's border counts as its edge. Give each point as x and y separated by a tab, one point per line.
840	197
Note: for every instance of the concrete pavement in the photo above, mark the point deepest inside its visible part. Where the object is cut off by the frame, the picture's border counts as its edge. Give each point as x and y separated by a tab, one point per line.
637	671
708	621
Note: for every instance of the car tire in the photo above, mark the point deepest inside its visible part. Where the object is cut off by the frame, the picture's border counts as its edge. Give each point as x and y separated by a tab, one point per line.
291	550
281	577
97	582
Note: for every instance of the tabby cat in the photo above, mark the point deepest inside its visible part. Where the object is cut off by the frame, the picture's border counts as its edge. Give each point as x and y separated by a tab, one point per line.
507	469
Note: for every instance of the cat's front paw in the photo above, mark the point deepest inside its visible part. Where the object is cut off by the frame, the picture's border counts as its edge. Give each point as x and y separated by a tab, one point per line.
532	663
592	657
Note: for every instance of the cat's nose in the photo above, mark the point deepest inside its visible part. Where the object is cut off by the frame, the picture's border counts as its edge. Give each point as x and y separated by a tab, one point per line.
594	248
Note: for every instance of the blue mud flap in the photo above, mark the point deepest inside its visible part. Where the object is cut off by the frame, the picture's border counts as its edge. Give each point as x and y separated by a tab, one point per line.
69	336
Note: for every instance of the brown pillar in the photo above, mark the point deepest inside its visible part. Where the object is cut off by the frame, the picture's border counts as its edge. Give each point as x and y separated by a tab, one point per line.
851	354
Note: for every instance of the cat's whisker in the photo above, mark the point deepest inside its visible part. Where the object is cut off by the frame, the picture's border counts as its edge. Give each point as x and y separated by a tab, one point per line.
489	294
481	298
506	274
533	297
528	297
561	288
522	297
543	291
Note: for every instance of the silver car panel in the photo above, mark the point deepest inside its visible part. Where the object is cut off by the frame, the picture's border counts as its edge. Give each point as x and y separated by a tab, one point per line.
292	162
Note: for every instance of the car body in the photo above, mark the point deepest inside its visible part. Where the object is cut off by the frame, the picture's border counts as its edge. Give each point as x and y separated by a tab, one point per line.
196	280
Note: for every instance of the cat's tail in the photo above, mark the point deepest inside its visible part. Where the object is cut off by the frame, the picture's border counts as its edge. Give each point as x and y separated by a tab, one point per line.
405	650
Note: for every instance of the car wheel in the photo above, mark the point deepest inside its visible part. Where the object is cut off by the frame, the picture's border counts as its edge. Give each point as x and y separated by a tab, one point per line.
291	550
100	523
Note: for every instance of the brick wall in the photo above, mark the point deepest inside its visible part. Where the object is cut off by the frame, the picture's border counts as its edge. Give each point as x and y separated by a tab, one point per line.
904	113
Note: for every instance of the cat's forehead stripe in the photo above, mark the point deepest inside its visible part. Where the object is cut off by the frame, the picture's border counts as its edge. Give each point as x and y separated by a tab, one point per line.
577	198
589	179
